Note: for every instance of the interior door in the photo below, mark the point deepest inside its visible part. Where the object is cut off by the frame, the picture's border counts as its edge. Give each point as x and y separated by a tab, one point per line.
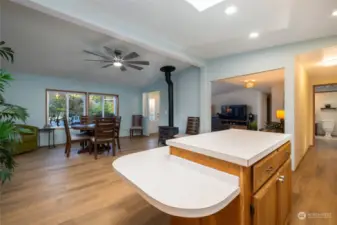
153	110
265	204
284	192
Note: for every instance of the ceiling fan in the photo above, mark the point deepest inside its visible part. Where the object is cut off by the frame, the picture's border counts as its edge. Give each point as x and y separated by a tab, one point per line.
114	58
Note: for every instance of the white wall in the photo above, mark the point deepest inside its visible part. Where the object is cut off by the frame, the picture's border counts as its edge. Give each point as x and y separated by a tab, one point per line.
249	97
320	100
277	99
259	61
302	115
262	110
29	91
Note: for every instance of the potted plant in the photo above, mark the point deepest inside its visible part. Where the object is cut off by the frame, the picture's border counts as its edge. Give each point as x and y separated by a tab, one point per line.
9	114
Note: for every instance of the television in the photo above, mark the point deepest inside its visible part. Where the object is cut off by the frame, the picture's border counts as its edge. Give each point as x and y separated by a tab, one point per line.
234	112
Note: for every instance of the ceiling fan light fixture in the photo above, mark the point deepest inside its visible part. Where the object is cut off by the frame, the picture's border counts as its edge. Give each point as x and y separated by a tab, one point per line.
117	64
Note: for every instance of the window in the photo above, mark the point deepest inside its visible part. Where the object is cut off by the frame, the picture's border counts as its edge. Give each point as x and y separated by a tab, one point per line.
74	105
103	105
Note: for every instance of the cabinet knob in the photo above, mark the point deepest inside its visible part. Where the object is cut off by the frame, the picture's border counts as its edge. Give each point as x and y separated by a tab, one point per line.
269	169
281	179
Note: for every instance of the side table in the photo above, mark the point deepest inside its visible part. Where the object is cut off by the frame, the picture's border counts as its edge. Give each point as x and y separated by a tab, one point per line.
50	131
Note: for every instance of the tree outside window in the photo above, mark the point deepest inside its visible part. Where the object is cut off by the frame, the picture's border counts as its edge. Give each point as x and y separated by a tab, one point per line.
102	105
74	105
63	103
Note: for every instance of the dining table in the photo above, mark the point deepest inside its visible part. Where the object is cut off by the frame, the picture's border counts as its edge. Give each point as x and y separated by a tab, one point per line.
88	128
84	127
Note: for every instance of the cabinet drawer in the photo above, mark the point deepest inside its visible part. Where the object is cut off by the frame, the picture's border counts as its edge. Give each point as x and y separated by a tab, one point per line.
283	154
263	170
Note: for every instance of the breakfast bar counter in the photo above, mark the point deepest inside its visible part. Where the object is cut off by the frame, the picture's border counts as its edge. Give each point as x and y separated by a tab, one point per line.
232	177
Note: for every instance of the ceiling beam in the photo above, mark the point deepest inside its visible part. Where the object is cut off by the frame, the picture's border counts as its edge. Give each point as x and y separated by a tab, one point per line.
147	41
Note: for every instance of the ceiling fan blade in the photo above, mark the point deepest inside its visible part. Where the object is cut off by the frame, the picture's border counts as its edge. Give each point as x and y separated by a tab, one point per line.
145	63
107	65
110	51
123	68
98	60
97	54
131	55
133	66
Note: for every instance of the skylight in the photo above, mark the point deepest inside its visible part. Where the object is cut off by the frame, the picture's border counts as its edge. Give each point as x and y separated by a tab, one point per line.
202	5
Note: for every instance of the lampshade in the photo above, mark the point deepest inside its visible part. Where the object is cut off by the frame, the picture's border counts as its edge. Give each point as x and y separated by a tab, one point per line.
280	114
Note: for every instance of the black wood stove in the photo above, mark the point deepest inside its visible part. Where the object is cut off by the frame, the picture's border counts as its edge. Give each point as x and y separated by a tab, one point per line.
167	132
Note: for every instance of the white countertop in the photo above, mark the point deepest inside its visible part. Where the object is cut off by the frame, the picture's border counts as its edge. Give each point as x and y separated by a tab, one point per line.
242	147
176	186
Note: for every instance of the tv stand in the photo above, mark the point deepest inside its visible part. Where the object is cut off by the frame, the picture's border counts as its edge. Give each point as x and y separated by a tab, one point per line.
236	124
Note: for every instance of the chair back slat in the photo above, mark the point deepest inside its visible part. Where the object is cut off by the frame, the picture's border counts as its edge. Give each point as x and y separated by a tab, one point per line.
105	129
84	120
118	124
66	128
137	120
193	125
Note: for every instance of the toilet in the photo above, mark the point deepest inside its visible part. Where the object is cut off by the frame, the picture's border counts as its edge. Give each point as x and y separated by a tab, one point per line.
328	126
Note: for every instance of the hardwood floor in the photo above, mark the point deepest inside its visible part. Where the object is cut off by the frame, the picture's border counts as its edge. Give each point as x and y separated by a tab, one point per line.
50	189
315	186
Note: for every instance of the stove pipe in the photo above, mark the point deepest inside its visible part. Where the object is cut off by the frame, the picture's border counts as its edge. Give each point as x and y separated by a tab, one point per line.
168	70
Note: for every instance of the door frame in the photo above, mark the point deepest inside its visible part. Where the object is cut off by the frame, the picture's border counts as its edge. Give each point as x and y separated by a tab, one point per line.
313	108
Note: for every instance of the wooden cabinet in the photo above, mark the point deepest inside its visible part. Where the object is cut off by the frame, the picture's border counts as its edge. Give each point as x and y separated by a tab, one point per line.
272	203
284	193
265	204
265	190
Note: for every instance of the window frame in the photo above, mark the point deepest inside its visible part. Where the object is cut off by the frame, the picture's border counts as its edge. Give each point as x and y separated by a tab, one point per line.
87	94
103	94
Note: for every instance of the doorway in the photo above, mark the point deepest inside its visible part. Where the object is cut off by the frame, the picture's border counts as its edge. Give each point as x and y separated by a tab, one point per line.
151	111
325	112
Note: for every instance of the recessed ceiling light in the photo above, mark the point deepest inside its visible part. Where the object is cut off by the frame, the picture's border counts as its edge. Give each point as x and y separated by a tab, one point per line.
329	62
202	5
254	35
231	10
334	13
118	64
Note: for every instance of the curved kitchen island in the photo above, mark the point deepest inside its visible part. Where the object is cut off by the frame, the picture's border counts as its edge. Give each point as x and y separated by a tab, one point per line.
233	177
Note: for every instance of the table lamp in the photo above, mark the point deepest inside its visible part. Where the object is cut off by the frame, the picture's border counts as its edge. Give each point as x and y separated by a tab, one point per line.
280	116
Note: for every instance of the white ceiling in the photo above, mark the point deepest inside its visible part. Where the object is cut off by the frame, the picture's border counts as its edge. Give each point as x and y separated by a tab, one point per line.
50	46
263	82
178	29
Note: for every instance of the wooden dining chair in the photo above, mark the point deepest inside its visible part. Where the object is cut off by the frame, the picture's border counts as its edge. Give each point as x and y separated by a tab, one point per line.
192	127
137	125
104	134
117	130
84	120
72	138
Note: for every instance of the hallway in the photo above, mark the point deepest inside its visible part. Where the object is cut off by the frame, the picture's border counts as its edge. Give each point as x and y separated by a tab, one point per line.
315	186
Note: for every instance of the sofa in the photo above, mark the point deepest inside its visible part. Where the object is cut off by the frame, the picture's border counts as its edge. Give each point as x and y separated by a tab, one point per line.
28	140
